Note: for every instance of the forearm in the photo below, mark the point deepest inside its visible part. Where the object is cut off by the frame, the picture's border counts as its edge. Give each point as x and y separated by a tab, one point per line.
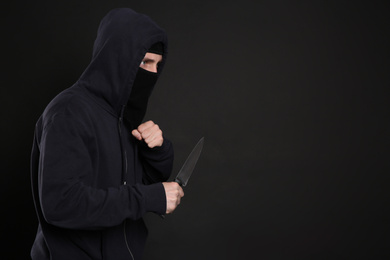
82	207
157	161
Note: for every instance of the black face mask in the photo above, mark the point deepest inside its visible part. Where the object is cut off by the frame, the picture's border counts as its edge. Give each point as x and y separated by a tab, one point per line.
139	96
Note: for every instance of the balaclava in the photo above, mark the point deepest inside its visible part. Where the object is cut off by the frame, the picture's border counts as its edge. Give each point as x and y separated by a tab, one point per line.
142	89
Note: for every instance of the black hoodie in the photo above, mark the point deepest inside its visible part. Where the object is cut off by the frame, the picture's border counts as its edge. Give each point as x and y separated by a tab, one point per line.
93	182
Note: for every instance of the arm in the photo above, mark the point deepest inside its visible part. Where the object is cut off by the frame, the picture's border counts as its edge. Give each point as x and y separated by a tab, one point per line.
155	151
67	196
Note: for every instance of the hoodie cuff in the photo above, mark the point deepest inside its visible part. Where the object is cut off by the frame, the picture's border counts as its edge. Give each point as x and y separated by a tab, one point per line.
154	198
166	145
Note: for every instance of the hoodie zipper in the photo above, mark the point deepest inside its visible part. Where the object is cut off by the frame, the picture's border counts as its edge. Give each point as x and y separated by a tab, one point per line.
124	171
123	150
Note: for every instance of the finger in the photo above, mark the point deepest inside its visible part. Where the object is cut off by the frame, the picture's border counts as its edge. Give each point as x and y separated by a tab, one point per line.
149	130
154	139
142	127
149	139
136	134
151	144
147	133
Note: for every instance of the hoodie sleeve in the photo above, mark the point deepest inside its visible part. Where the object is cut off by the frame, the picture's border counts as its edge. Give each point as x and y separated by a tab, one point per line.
67	195
157	162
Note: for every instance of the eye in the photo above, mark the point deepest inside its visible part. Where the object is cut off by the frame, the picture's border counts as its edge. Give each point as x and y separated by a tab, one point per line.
143	63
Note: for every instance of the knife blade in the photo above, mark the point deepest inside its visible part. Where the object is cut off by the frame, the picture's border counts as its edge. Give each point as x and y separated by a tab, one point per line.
188	167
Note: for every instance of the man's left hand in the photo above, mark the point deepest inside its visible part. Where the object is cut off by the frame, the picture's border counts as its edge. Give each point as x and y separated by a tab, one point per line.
150	133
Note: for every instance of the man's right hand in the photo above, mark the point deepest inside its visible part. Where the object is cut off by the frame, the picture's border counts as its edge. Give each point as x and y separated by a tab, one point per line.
174	193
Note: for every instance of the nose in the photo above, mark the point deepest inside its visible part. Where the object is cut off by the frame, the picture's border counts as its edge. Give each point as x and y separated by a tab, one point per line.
154	68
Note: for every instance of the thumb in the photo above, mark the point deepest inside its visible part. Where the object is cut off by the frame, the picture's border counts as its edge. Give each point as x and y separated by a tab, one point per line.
136	134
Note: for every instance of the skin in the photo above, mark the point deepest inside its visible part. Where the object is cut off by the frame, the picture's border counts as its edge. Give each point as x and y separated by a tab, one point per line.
151	61
152	135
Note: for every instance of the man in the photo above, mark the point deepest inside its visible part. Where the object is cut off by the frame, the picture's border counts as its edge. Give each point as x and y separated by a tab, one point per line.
96	169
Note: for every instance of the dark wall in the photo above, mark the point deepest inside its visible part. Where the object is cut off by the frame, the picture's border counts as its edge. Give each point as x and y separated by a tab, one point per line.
292	98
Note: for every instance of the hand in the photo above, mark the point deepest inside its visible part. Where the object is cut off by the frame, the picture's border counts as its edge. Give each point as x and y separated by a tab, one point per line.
150	133
174	193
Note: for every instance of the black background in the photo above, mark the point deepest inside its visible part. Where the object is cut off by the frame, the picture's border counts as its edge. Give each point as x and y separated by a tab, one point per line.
291	96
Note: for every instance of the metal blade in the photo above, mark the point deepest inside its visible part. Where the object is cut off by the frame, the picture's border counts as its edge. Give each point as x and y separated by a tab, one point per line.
186	170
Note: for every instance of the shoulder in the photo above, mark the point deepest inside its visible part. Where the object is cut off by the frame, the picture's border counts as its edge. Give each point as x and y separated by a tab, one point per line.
68	106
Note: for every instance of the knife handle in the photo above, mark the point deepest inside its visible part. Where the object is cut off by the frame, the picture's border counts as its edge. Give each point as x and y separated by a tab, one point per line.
179	182
181	185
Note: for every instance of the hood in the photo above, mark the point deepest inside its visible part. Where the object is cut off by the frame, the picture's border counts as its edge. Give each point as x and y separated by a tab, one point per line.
123	38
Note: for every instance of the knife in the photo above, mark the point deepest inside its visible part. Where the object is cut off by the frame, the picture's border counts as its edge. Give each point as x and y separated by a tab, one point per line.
188	167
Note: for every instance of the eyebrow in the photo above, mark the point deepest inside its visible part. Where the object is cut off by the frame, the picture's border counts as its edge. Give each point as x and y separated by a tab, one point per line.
147	59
